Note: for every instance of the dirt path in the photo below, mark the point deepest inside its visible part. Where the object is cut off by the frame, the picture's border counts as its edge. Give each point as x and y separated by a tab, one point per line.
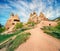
39	41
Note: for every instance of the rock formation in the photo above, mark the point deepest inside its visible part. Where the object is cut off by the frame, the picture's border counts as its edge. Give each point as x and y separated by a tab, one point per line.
37	19
12	21
33	17
42	17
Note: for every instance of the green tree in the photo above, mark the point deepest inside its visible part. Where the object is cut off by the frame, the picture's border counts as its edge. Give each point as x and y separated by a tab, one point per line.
58	25
1	25
2	28
19	25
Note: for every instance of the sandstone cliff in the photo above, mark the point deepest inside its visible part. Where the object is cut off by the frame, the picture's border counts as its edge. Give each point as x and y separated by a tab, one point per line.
36	19
42	17
33	17
12	21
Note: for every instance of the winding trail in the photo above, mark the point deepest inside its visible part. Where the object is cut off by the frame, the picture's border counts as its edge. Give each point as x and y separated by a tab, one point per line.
39	41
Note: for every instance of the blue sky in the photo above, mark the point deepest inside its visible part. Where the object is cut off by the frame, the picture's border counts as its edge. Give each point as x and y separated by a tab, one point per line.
51	9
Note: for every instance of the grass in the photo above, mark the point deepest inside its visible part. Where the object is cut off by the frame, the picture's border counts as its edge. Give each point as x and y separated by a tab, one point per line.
18	40
13	43
5	37
6	43
53	31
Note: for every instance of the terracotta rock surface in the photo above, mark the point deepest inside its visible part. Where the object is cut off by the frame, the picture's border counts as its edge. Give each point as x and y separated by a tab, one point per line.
12	21
43	17
35	18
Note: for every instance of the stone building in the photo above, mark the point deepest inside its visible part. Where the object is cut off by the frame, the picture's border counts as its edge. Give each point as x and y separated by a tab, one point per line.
11	22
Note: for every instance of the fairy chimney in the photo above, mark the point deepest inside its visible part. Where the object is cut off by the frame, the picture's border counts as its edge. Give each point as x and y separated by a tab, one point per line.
11	22
42	17
33	17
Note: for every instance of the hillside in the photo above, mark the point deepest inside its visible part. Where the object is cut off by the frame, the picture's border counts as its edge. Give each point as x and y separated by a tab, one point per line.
40	41
30	36
57	19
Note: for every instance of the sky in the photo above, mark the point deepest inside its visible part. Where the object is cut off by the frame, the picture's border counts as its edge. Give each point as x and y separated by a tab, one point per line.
51	9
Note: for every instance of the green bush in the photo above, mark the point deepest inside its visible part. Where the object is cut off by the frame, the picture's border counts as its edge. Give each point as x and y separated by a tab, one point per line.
5	37
58	26
7	43
31	23
18	25
18	40
2	29
53	31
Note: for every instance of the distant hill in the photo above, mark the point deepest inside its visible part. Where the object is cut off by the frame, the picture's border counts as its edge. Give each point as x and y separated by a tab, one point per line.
57	19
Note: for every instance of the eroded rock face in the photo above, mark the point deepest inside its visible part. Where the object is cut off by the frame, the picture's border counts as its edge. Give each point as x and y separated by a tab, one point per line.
11	22
42	17
37	19
33	17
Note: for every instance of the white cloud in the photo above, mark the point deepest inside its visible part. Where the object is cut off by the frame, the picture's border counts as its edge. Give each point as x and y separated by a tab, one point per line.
24	8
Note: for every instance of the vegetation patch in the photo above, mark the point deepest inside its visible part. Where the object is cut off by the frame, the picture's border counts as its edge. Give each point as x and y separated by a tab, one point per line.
5	44
5	37
18	26
2	28
53	31
18	40
31	23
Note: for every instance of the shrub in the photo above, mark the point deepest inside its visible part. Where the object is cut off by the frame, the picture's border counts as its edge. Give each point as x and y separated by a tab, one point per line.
18	40
31	23
2	29
5	37
7	43
18	25
58	25
53	31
